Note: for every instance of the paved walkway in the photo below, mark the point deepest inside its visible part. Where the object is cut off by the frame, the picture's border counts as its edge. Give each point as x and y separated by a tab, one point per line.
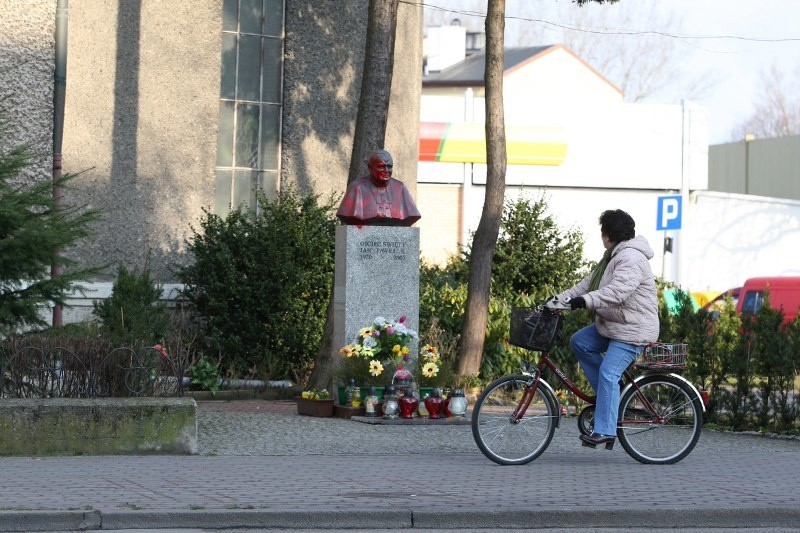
262	465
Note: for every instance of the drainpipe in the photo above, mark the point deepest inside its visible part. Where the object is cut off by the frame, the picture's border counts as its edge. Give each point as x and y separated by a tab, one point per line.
59	92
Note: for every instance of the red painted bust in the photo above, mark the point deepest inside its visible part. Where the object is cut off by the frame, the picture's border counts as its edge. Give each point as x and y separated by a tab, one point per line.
378	199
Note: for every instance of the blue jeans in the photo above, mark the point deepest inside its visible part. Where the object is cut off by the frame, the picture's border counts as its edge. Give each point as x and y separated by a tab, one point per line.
603	372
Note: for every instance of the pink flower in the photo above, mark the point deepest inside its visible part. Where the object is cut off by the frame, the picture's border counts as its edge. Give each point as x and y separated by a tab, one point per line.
161	349
402	319
390	330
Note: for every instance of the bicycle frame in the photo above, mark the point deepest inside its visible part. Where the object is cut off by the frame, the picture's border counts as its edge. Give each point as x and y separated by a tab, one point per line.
546	362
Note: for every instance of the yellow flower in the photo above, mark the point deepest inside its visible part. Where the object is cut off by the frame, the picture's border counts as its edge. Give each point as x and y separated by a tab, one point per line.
375	367
366	353
364	332
396	348
405	350
349	350
432	357
429	370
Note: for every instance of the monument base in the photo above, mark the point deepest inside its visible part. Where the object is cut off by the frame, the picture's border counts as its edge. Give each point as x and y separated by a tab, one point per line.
377	275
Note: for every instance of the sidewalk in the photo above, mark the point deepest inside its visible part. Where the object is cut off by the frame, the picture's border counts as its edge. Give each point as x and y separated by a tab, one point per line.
261	465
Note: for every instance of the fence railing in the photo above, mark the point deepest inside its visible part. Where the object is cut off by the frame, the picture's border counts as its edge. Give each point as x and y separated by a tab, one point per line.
56	372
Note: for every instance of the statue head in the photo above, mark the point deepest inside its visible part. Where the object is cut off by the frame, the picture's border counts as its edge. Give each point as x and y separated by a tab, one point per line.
380	166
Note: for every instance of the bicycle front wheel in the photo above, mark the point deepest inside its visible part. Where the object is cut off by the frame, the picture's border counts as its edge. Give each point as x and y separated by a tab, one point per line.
498	433
661	422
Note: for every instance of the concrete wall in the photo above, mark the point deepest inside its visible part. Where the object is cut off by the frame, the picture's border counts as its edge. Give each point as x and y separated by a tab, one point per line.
142	104
322	76
118	426
141	113
27	64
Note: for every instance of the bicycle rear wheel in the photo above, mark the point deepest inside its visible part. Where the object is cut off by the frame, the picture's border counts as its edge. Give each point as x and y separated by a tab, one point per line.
670	431
499	435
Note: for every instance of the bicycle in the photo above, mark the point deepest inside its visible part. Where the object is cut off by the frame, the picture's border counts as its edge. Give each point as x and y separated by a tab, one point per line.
515	418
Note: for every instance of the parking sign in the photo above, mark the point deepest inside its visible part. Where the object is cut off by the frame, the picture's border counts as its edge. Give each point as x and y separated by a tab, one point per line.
669	213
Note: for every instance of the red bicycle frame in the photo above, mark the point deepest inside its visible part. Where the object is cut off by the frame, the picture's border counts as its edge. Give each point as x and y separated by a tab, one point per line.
545	362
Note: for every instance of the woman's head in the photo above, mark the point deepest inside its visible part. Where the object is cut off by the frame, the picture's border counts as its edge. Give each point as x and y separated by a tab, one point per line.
617	225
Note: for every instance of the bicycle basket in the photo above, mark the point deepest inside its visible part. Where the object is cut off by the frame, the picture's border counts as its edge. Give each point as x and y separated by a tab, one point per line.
534	329
661	356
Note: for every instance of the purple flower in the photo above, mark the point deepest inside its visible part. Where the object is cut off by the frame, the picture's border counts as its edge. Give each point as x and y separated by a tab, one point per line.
390	330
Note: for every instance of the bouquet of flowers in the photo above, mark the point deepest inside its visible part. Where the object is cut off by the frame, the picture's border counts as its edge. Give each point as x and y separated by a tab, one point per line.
429	359
384	343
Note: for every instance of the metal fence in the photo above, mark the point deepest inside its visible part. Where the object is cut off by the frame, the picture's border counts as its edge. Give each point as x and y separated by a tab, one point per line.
56	372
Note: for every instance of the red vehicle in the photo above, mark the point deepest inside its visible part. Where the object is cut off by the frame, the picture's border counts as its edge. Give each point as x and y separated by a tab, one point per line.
784	294
717	302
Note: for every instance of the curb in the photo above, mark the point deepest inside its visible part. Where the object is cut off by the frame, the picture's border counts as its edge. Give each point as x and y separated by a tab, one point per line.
652	518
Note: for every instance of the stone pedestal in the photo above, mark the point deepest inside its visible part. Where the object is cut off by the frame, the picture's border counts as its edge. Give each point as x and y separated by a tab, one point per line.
377	274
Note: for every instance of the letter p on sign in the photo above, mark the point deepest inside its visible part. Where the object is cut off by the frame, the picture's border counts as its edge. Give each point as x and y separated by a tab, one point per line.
669	213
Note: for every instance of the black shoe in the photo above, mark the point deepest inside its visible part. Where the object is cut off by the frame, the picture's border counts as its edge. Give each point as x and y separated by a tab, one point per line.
595	438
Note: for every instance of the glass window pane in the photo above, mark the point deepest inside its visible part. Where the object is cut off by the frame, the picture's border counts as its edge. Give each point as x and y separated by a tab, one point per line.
244	189
230	17
273	18
273	58
270	129
249	72
268	184
251	16
247	120
222	201
227	80
225	135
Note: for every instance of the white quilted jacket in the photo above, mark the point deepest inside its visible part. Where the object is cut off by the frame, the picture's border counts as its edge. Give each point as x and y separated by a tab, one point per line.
626	304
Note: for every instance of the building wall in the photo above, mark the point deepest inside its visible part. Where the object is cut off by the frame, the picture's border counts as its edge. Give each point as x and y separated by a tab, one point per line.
142	106
618	156
732	237
324	55
763	167
141	111
27	43
557	76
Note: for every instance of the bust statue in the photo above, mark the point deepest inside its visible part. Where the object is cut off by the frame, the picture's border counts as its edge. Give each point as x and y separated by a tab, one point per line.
378	199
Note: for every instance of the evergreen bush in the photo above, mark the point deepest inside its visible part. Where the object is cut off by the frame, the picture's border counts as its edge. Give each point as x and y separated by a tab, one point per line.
262	284
533	260
33	232
133	313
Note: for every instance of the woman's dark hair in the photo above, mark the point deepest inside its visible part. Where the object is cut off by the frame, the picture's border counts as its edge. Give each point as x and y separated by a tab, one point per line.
617	225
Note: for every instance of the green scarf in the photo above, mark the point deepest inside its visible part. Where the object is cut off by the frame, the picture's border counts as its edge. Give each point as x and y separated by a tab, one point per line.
598	271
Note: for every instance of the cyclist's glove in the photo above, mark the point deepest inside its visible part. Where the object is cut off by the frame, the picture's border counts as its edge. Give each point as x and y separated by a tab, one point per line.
577	303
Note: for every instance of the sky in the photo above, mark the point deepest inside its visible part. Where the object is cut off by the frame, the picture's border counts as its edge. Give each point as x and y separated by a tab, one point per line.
736	64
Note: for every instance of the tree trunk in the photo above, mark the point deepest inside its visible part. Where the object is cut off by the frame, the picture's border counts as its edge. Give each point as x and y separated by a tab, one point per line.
485	239
370	134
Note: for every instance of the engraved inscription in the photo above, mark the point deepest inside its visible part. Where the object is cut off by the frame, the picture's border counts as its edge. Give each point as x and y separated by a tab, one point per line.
392	250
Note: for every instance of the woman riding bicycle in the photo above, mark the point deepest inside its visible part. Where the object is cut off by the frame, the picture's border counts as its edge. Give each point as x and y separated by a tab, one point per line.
621	292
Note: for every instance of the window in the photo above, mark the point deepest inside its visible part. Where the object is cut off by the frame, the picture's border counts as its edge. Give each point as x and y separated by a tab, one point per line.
753	300
251	82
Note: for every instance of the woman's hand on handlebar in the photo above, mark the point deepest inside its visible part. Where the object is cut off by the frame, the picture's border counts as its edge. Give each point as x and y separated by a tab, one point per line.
557	303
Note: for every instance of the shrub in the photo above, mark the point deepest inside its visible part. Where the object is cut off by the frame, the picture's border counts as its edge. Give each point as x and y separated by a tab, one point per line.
534	259
262	284
533	255
133	312
32	232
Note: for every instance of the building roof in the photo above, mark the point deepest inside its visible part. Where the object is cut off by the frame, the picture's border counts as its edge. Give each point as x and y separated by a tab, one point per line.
470	72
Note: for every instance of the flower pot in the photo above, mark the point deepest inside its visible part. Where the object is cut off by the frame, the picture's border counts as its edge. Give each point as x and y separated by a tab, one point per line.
314	407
